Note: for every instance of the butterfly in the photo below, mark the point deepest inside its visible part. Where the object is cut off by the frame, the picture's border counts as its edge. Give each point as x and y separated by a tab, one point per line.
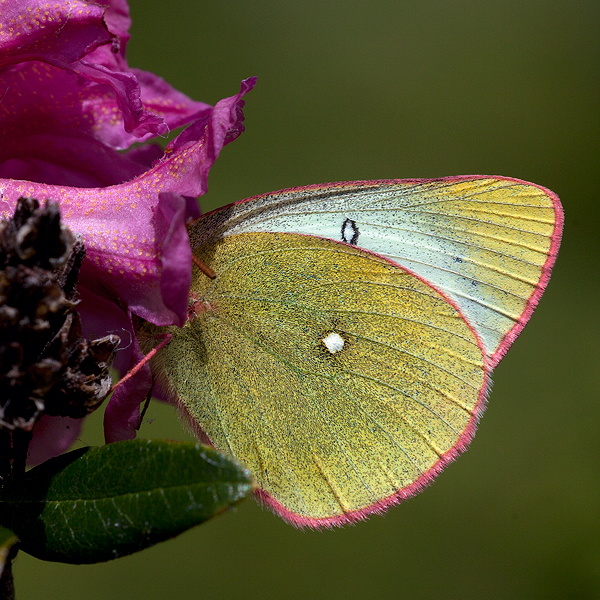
343	351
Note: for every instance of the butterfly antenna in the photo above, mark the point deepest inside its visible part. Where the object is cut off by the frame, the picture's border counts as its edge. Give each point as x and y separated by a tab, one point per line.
167	338
204	268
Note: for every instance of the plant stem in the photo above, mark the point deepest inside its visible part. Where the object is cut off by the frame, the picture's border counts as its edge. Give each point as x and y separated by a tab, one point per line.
7	585
5	456
14	446
20	448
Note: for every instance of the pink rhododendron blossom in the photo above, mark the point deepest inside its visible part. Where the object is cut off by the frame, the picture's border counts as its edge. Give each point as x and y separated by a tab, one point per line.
68	103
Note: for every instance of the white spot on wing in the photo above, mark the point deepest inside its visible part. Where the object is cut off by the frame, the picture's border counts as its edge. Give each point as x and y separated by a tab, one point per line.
334	342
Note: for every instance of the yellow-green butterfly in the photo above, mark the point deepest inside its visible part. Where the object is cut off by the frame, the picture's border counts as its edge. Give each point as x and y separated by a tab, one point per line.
343	351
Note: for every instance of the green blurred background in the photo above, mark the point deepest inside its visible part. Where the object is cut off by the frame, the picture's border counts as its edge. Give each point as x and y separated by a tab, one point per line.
390	89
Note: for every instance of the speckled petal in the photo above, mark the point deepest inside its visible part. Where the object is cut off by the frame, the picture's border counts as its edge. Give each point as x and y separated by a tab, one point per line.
119	223
42	99
158	99
101	93
58	32
118	20
202	141
126	93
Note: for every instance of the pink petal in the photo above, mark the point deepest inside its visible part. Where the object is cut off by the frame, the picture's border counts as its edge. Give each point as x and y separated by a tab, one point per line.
136	119
123	233
158	98
100	317
42	99
93	98
56	33
52	436
176	276
122	415
202	141
91	89
118	20
174	107
66	159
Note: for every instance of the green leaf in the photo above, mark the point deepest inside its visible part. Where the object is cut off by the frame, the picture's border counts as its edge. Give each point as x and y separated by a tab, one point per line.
7	540
96	504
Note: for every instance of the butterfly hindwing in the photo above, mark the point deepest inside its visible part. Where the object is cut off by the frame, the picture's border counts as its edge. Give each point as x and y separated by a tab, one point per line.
343	381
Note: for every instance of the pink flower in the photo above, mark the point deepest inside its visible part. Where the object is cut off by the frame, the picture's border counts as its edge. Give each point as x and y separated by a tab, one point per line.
68	104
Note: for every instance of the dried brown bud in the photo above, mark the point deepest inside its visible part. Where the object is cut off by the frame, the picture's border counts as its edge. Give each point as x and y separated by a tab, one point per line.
45	364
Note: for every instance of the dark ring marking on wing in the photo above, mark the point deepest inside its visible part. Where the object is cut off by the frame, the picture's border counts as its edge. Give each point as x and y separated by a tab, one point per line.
350	232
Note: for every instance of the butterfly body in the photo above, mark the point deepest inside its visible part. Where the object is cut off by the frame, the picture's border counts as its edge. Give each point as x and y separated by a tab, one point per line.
343	351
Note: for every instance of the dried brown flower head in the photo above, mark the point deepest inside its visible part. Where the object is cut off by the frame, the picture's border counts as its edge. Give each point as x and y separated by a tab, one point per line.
45	364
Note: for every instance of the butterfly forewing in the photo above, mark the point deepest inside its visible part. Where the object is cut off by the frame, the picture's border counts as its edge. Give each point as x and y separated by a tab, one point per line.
488	243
